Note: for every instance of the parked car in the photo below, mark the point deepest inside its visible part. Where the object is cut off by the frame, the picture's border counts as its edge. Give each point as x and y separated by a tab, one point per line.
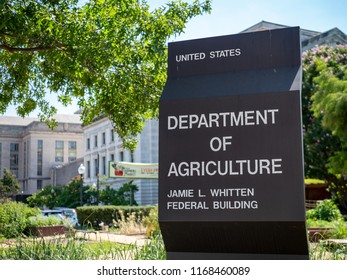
54	212
69	213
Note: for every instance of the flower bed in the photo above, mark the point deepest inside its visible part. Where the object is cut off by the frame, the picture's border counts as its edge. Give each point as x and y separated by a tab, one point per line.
41	231
317	233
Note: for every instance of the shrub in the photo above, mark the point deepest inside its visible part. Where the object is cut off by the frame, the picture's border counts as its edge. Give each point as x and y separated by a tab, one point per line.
152	223
96	215
326	211
339	229
14	218
42	221
132	224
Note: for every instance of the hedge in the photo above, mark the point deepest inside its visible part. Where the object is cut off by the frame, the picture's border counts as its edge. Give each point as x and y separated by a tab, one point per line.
95	215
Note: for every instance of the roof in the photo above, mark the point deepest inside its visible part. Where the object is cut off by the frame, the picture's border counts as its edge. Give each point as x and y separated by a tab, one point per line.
19	121
16	121
266	25
309	38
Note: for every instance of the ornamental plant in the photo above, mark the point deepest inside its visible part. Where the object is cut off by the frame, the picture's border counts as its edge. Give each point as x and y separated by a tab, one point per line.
14	218
42	221
324	103
326	210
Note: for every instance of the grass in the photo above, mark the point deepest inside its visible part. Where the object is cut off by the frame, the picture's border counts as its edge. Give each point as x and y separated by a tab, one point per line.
61	248
327	251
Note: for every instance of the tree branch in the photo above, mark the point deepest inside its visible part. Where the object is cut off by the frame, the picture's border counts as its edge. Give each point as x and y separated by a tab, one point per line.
28	50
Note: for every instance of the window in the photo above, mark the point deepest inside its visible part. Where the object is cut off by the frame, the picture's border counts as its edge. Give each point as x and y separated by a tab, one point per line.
39	185
88	143
112	157
96	141
88	169
59	151
96	167
132	157
121	156
39	156
72	150
14	154
112	135
103	138
103	161
25	161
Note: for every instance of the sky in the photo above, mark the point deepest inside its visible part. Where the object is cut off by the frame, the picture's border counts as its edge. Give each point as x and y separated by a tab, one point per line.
233	16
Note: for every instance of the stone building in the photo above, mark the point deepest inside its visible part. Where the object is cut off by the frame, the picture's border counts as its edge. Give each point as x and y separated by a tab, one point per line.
29	149
309	38
102	145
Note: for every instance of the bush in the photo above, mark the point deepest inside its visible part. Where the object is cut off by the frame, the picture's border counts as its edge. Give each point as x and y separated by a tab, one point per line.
42	221
326	211
152	223
14	218
339	229
95	215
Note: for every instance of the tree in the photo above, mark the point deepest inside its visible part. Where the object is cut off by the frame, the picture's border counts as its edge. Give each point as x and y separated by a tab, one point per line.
125	195
108	54
47	197
9	185
61	196
324	117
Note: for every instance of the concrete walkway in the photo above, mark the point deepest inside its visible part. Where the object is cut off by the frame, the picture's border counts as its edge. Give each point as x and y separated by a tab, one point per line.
138	239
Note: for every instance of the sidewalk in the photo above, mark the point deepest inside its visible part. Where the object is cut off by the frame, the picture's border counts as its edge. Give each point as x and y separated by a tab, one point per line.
139	239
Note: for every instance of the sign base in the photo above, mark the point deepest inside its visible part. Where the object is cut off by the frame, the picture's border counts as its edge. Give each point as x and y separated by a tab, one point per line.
235	240
217	256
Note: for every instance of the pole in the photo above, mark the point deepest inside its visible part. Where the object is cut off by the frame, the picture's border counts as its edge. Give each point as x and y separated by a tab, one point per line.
81	189
97	183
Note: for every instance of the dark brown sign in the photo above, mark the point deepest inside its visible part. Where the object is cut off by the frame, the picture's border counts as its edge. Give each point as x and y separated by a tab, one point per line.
230	153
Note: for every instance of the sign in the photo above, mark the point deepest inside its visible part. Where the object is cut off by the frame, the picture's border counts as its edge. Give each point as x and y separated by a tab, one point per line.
231	181
121	169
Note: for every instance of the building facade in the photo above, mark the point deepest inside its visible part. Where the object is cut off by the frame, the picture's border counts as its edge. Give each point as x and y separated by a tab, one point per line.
309	38
102	145
29	149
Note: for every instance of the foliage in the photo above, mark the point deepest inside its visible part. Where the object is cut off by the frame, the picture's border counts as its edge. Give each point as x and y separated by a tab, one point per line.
309	181
77	249
42	249
325	210
324	118
14	218
132	224
44	198
42	221
109	55
327	215
317	223
108	214
339	229
125	195
9	184
66	196
69	196
324	251
152	223
153	250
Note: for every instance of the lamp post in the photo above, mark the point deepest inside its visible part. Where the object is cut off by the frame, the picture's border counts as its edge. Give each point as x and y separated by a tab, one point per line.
81	170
